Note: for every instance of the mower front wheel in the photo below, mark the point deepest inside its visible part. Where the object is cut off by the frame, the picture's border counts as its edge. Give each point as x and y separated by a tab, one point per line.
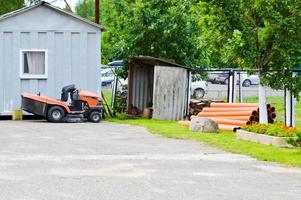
56	114
95	117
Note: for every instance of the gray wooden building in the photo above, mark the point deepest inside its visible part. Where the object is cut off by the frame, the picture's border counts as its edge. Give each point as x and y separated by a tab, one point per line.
160	84
43	48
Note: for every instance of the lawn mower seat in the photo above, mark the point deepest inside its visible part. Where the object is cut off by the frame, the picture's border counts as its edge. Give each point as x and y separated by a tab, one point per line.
66	90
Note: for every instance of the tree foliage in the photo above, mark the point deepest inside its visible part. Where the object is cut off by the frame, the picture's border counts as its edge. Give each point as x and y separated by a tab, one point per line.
254	34
32	2
85	9
159	28
108	17
11	5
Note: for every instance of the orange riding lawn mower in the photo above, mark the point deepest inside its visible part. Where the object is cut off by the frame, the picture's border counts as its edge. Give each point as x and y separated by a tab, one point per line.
74	106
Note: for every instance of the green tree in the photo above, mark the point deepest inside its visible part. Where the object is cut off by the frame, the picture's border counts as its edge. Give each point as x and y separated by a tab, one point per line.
32	2
11	5
159	28
108	17
254	34
85	9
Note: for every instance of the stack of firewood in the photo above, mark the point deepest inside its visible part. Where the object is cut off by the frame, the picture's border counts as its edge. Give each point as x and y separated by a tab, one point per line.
196	106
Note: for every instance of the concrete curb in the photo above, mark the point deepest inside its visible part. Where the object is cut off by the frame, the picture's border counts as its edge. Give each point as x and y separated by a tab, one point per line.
263	139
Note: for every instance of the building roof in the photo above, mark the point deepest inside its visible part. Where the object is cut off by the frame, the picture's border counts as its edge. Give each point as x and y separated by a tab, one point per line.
148	60
48	5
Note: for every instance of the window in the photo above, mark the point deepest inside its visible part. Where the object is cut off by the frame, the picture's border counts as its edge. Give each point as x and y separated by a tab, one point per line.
33	64
108	74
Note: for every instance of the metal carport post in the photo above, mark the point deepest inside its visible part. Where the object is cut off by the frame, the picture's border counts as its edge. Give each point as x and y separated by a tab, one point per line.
290	102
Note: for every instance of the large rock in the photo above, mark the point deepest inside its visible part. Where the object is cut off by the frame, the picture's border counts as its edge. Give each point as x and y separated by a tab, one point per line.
203	125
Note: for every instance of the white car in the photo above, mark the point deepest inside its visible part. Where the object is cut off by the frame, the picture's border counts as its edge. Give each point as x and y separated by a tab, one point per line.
107	77
198	89
248	80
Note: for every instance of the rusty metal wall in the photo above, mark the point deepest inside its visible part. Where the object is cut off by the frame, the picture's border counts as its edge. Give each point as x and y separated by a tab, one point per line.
166	87
142	86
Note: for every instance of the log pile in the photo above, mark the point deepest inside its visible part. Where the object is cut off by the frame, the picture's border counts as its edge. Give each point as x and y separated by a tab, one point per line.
196	106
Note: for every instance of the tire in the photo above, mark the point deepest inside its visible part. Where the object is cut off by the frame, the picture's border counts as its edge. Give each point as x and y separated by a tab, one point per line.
56	114
95	117
246	83
198	93
226	82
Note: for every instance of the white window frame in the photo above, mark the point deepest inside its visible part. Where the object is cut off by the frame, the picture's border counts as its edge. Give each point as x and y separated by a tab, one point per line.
33	76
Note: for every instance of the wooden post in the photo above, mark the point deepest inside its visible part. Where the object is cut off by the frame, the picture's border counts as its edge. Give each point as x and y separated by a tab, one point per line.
188	91
231	87
97	11
289	109
290	102
234	81
263	113
240	88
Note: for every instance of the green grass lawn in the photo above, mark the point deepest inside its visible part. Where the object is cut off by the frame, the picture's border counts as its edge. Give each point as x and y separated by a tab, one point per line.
107	92
224	140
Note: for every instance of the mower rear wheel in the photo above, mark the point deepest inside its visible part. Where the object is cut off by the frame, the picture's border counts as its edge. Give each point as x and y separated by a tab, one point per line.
95	117
56	114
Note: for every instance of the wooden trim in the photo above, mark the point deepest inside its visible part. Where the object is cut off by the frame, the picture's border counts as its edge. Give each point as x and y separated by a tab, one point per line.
285	107
130	88
33	76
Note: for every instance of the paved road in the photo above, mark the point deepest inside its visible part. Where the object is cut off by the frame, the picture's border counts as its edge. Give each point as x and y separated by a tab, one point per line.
219	91
39	160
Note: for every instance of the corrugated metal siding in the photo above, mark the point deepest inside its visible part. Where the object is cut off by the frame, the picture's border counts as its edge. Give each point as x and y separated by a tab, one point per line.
170	93
2	71
73	57
142	86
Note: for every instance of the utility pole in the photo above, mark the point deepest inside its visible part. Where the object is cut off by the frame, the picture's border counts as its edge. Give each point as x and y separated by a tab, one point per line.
97	11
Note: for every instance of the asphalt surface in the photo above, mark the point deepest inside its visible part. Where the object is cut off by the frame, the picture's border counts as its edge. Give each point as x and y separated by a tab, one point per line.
40	160
219	91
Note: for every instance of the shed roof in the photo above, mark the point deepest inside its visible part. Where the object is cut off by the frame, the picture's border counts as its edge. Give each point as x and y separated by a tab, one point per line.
149	60
48	5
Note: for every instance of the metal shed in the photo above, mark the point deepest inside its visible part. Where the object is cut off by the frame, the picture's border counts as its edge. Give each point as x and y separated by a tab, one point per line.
43	48
160	84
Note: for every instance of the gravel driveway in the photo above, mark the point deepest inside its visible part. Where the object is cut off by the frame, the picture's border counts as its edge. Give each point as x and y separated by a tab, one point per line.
40	160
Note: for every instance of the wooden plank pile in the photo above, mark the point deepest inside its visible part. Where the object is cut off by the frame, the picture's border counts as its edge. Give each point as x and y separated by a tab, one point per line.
197	106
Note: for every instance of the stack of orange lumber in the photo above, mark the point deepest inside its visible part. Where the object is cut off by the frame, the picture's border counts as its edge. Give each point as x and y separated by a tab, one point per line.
232	116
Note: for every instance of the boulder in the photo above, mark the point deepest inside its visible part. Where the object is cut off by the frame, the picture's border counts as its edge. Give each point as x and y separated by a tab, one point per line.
204	125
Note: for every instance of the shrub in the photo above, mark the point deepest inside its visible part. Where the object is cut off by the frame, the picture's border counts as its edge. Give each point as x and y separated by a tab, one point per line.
256	128
273	130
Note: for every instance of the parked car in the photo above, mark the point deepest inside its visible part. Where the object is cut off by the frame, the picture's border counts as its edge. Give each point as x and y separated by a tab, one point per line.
248	80
212	76
219	77
107	77
198	89
223	78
